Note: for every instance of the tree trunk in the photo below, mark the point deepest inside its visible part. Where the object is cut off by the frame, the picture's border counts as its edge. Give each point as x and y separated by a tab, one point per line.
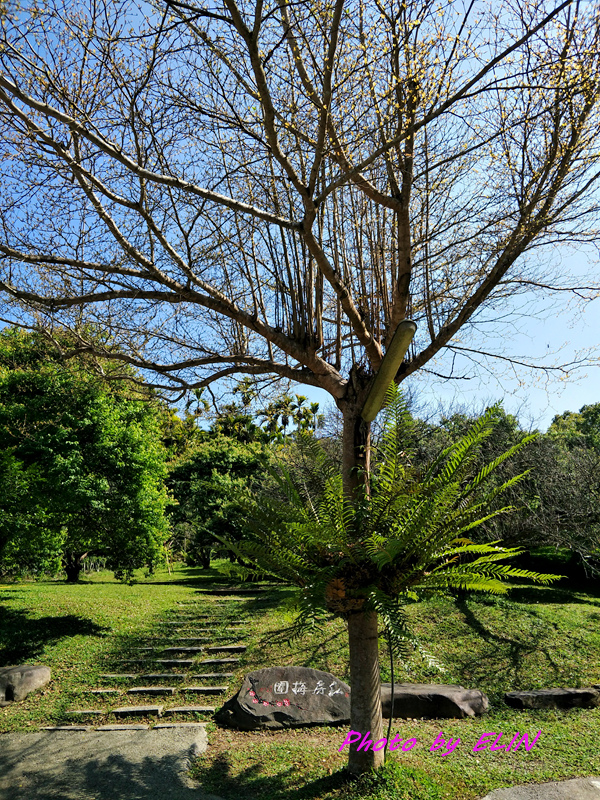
72	566
365	699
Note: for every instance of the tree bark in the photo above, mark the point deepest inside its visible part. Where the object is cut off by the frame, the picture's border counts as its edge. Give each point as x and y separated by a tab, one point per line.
356	451
365	699
72	565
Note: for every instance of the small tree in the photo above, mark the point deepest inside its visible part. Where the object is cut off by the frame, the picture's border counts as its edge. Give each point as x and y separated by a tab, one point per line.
406	536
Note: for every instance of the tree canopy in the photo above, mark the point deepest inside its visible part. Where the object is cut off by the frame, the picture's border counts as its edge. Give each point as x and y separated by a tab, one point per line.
82	466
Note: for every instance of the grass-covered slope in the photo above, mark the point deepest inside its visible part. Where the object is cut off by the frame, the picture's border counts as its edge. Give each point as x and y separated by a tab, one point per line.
538	637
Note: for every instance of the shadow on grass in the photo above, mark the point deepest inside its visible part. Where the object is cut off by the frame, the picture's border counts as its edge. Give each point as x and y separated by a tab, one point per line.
559	595
274	597
506	656
23	638
252	784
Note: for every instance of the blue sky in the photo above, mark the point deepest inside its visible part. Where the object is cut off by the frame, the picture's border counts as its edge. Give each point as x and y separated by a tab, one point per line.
556	331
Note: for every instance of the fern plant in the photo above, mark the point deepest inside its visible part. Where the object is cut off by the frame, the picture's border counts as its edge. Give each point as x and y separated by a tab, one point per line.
408	533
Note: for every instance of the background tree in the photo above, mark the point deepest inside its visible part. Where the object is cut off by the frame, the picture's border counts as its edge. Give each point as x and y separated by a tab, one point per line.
269	188
82	468
205	482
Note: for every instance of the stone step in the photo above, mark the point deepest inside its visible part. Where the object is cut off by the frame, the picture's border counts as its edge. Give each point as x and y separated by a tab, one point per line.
138	711
179	725
205	689
189	710
153	690
191	639
85	712
101	692
119	676
227	648
183	649
220	661
232	591
175	662
208	675
128	727
67	728
207	623
200	640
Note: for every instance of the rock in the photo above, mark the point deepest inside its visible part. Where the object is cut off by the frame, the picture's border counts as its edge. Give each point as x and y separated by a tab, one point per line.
17	682
576	789
414	700
554	698
287	697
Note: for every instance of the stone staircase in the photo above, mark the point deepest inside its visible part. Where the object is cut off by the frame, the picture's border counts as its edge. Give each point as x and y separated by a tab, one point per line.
179	672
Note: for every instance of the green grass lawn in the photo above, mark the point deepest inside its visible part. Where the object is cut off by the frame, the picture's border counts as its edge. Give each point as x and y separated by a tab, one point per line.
540	637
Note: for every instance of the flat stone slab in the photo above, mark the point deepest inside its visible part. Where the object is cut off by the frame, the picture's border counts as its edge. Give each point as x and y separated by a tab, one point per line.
17	682
137	711
153	690
234	590
554	698
576	789
179	725
226	622
433	701
64	728
103	765
183	649
189	710
101	692
163	676
208	675
227	648
205	689
202	639
86	712
128	727
287	697
119	676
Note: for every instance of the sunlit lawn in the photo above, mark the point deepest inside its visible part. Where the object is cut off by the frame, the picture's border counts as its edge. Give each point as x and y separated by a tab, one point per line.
539	637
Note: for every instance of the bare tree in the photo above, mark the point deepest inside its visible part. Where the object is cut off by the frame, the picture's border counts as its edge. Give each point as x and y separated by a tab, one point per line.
270	188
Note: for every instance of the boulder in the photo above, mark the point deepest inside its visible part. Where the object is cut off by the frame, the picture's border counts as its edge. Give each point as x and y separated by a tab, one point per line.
554	698
17	682
435	701
287	697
